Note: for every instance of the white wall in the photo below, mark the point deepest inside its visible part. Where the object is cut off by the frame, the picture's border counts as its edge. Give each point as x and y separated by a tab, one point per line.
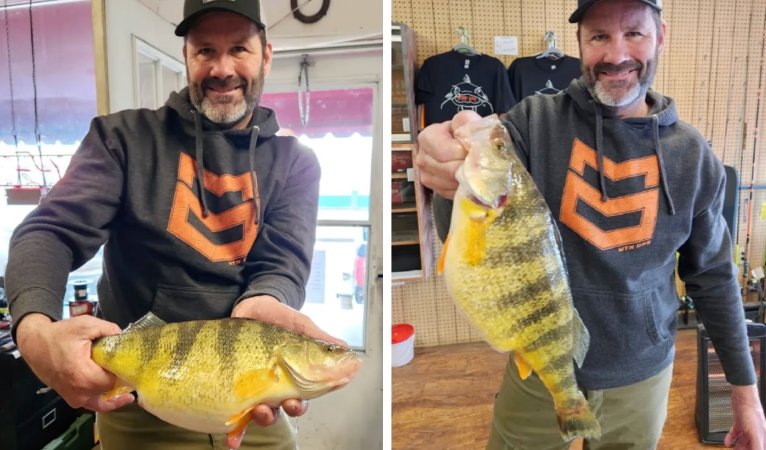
125	18
350	418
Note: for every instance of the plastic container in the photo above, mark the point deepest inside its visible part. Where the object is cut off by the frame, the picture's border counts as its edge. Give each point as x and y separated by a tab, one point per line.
79	436
403	344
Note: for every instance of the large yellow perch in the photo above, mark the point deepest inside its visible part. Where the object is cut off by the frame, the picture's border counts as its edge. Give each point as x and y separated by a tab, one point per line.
503	266
207	376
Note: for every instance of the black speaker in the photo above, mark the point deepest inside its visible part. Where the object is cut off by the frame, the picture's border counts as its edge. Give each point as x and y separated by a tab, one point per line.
713	413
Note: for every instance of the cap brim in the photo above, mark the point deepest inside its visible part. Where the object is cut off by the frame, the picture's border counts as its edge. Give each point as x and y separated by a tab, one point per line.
183	28
580	12
574	18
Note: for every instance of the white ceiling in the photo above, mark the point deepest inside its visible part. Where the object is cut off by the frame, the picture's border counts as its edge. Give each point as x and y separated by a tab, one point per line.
346	21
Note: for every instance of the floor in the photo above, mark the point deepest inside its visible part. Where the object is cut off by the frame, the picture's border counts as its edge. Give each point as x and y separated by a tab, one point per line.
443	398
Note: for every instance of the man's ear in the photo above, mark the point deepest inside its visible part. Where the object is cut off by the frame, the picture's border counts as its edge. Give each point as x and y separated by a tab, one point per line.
661	37
267	53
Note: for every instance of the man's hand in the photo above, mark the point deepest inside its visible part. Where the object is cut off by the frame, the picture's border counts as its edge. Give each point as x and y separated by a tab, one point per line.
268	309
59	354
440	154
749	429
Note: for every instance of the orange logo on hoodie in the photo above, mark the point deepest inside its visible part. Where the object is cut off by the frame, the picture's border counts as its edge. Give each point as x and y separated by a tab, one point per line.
645	203
186	203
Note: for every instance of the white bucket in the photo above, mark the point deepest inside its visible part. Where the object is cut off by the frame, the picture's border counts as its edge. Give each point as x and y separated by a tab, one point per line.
403	344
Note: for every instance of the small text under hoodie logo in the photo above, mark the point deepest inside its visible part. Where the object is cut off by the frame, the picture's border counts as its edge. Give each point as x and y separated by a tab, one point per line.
186	204
643	204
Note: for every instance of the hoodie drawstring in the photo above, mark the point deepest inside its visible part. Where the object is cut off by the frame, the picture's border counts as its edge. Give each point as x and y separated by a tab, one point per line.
661	164
198	150
198	156
657	149
600	151
251	151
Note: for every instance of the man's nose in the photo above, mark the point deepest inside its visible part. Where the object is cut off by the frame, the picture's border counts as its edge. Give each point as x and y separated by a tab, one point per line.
223	67
617	51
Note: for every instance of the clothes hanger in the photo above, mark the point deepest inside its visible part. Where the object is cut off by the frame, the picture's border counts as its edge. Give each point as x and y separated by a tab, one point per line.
464	46
550	52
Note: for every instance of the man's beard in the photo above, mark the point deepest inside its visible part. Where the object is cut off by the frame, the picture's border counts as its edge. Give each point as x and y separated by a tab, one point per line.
624	93
228	110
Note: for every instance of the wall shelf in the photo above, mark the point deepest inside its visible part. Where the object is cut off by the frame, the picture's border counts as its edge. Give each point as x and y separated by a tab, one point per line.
411	235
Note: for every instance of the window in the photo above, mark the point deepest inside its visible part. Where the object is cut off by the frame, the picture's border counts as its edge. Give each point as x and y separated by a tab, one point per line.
54	93
157	74
339	130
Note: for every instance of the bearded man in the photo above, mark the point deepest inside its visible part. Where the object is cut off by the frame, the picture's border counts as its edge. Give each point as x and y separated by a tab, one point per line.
205	214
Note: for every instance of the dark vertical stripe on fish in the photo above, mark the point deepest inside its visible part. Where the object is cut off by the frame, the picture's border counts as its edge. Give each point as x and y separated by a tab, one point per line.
499	254
558	363
148	347
538	289
187	335
551	336
226	341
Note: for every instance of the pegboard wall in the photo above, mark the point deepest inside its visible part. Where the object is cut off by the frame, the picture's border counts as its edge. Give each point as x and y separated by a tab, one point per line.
712	66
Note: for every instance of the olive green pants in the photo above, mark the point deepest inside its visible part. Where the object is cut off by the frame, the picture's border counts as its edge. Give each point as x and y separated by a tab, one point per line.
631	417
132	428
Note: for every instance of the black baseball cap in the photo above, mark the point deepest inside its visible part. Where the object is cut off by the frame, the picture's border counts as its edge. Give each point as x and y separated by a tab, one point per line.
583	5
194	9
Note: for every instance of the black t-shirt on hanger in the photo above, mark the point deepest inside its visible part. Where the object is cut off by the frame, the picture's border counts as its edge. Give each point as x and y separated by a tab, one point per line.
536	76
452	82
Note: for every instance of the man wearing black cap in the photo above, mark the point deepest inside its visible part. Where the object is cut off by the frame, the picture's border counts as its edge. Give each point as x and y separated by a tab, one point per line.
630	186
205	212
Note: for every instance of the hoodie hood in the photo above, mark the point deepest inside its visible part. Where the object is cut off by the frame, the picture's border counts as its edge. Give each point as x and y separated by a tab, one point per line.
662	113
263	124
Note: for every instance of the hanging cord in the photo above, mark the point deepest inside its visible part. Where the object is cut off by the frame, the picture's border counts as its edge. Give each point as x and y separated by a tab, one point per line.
292	11
10	82
34	94
304	102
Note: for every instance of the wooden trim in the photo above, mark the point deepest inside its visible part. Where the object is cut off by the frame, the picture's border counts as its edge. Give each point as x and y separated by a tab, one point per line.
98	17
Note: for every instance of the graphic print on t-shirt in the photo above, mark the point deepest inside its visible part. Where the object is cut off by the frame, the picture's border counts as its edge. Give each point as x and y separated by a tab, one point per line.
467	96
224	236
625	222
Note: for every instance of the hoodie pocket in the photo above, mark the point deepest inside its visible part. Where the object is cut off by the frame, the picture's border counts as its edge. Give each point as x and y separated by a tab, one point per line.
625	325
182	303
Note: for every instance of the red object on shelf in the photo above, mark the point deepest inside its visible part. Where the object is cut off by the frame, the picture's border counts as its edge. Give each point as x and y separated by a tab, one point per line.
401	161
402	192
24	195
81	308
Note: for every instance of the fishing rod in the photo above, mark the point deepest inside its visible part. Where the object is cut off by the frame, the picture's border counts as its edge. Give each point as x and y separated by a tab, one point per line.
742	148
715	74
756	140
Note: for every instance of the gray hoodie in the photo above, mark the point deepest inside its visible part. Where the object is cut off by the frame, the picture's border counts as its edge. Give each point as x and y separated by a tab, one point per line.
629	195
184	240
